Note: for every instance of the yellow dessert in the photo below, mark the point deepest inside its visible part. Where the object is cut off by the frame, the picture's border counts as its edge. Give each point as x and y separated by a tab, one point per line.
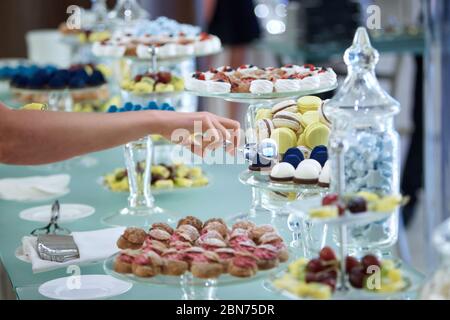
308	103
285	139
309	117
324	212
316	134
263	114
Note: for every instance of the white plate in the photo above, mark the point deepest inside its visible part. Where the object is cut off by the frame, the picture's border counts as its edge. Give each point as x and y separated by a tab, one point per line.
68	213
84	287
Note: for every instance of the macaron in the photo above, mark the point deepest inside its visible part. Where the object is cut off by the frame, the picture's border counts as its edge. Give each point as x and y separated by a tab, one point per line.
263	114
324	177
307	173
287	105
323	117
282	172
293	159
308	103
287	119
320	153
301	139
285	139
316	134
309	117
264	129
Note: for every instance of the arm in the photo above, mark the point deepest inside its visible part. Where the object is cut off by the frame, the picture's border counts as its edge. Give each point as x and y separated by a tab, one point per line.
35	137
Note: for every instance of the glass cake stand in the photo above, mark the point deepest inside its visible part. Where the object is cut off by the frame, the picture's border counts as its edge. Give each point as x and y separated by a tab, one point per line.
192	288
141	210
258	212
412	283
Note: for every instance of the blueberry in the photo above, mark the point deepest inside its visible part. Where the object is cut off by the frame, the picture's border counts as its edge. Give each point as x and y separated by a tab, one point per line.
113	109
152	105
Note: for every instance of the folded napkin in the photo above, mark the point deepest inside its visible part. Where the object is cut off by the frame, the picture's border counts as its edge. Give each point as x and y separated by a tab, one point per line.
94	246
34	188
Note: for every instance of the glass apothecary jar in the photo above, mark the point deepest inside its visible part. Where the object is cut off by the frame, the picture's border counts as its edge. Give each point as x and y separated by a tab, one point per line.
438	286
364	145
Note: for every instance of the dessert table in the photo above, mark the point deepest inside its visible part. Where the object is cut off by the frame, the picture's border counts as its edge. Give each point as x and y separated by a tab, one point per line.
224	196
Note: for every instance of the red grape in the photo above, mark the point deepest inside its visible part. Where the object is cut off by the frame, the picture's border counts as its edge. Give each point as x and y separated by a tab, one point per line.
314	265
329	199
329	282
310	277
350	263
370	260
327	254
341	208
357	277
357	205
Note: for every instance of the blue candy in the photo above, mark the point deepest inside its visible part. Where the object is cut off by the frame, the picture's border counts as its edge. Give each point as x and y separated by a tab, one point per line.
170	108
152	105
295	152
293	159
164	106
128	106
123	110
137	107
113	109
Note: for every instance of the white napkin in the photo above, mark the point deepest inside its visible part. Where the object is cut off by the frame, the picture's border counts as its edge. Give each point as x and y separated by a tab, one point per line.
34	188
94	246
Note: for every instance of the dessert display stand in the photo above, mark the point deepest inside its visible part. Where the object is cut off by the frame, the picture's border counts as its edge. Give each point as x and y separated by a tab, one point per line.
259	181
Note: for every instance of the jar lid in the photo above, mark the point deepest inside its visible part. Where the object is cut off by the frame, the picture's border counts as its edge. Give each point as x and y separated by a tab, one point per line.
361	93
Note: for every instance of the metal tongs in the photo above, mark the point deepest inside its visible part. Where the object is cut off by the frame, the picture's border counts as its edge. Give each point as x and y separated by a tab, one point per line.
52	227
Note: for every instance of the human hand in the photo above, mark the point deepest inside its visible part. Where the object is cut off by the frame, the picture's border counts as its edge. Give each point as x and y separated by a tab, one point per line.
199	131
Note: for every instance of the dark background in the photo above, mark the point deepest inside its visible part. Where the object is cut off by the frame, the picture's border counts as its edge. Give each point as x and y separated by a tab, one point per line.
20	16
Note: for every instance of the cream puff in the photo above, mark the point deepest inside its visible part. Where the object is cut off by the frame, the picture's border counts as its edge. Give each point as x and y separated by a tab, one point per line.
162	226
259	231
216	226
174	263
243	265
203	264
124	261
267	256
193	221
147	264
244	224
275	240
188	232
132	238
154	245
225	257
160	235
212	244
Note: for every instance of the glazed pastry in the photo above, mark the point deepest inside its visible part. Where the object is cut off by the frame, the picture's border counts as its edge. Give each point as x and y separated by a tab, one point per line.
259	231
159	234
124	261
147	264
243	265
225	257
282	172
132	238
216	226
163	226
204	264
193	221
267	256
174	263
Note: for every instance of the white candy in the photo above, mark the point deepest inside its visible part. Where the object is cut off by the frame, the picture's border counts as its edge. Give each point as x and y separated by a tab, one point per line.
282	170
307	170
261	86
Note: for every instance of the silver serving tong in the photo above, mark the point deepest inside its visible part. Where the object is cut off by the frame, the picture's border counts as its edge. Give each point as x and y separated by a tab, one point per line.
52	227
